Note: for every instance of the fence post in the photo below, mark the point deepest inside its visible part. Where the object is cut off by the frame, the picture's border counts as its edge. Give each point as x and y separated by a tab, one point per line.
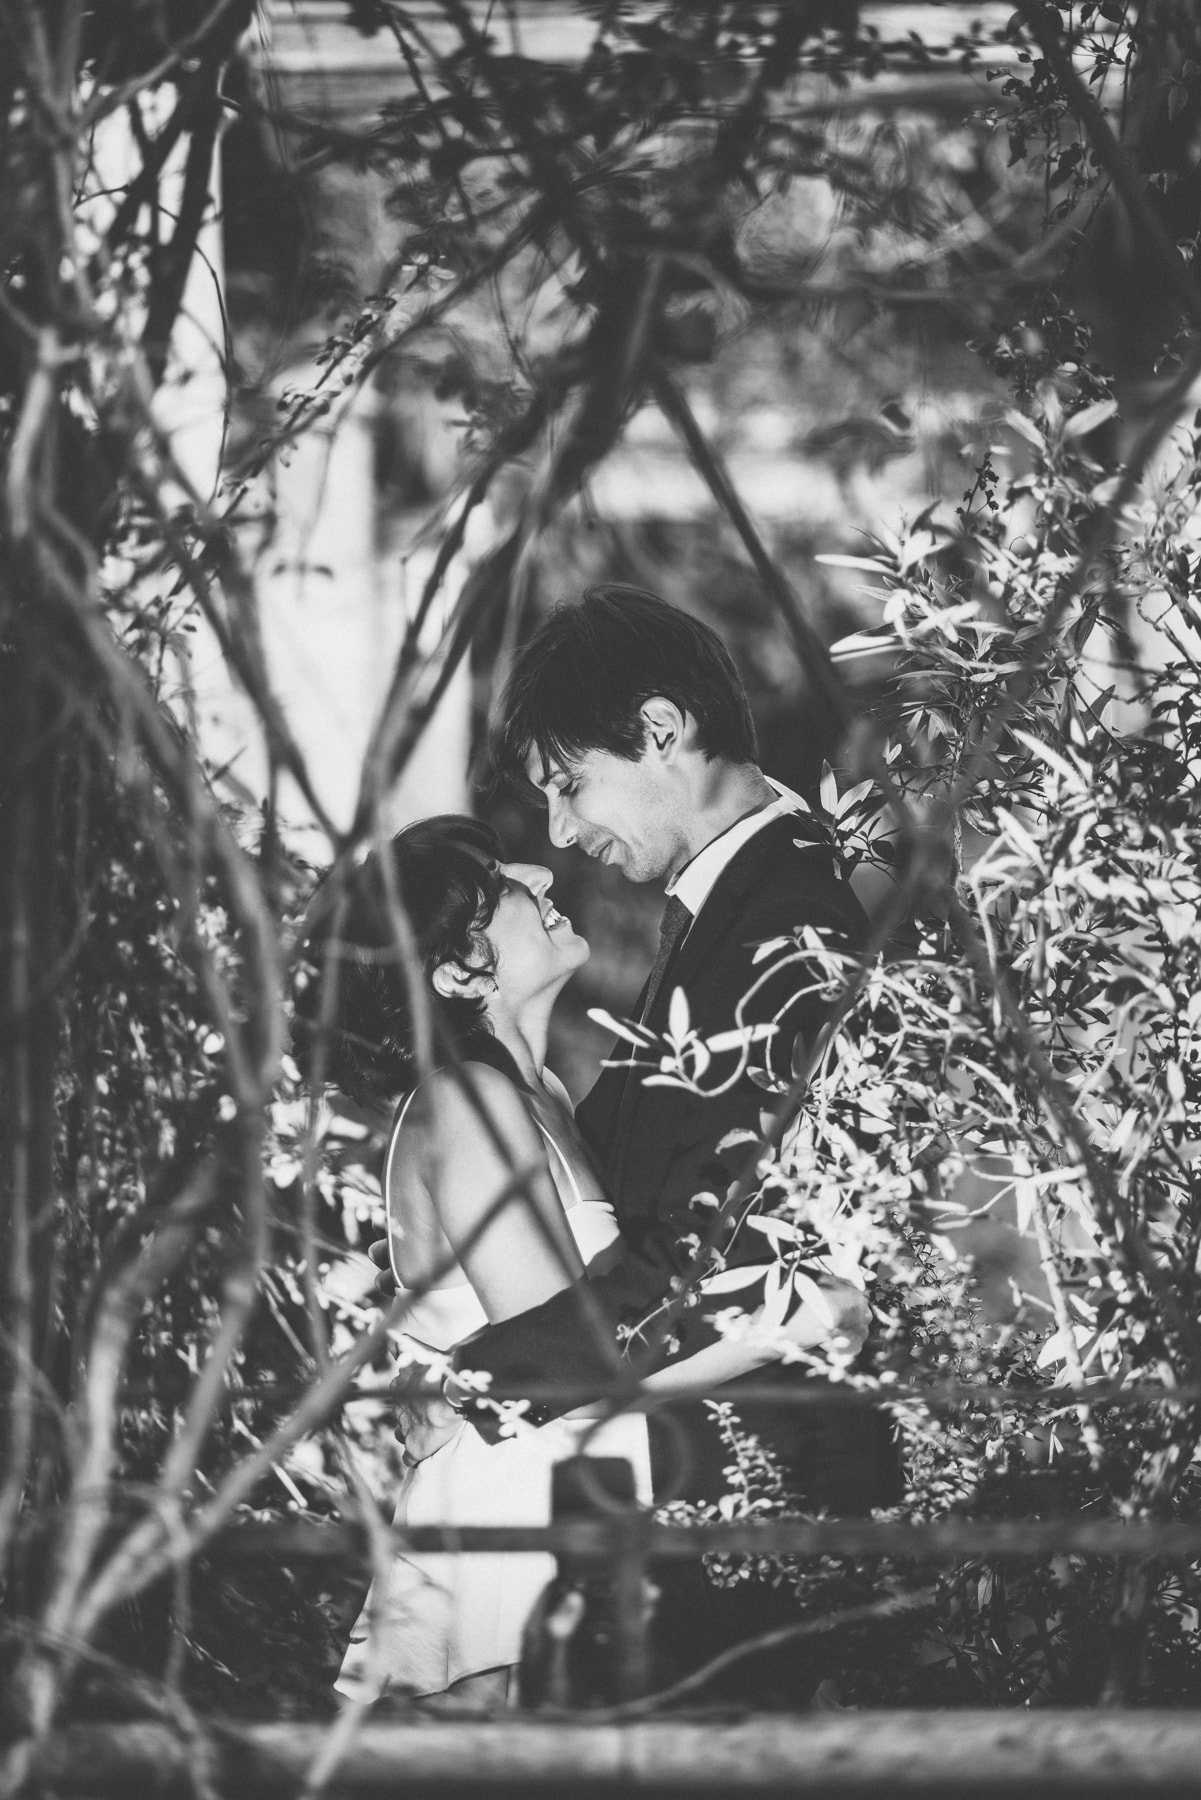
586	1641
634	1602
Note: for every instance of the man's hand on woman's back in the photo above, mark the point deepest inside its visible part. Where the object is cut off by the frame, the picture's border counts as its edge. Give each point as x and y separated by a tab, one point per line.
835	1314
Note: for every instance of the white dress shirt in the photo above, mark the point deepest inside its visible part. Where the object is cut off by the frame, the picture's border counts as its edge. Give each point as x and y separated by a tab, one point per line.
697	879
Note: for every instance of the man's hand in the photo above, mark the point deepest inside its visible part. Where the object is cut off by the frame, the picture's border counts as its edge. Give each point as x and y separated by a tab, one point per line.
384	1285
834	1314
423	1424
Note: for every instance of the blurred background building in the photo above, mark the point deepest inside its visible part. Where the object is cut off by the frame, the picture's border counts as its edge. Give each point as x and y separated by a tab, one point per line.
839	419
842	413
834	427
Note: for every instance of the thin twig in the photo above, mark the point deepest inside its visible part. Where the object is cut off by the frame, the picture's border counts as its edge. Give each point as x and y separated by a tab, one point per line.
871	1613
1045	25
815	658
236	15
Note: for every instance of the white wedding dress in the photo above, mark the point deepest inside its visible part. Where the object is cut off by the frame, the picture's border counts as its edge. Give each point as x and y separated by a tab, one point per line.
441	1616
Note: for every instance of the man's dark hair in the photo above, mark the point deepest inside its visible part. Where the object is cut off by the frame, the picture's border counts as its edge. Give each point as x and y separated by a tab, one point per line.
579	683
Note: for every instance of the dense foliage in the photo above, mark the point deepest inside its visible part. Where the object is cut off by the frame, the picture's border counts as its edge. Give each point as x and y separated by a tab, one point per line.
1036	1023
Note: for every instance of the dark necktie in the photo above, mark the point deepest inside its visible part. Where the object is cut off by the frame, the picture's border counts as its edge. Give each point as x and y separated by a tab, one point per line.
676	920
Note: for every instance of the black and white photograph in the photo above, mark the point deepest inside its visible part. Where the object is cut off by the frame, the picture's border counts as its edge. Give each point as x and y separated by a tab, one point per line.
600	899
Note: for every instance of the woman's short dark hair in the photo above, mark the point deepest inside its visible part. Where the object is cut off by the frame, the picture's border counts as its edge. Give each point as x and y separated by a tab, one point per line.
580	681
444	873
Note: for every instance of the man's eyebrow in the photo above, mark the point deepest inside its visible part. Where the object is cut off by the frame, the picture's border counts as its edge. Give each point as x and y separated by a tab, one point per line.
554	771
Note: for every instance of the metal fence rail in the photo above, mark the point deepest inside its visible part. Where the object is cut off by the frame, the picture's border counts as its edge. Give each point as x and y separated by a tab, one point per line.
939	1542
970	1754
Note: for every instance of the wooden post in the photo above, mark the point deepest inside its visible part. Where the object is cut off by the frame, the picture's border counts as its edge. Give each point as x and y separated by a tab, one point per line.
631	1584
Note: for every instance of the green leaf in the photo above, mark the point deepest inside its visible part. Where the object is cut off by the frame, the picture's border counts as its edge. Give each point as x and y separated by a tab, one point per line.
632	1034
1071	772
771	947
740	1038
730	1141
728	1281
916	550
1025	428
871	563
1081	423
853	795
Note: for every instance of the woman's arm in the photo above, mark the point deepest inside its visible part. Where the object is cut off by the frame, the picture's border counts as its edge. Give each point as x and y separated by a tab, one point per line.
517	1254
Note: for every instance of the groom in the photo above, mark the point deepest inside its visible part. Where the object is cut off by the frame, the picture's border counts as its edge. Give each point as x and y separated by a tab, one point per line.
627	718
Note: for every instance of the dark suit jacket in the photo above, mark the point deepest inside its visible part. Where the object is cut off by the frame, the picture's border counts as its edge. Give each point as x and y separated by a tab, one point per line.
657	1146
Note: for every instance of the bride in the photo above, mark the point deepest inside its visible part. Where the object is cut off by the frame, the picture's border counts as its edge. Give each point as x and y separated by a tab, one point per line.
493	1206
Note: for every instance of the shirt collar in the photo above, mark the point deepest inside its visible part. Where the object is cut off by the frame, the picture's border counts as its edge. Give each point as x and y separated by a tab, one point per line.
697	879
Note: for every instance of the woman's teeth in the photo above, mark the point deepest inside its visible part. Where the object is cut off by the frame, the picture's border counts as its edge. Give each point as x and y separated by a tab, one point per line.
552	917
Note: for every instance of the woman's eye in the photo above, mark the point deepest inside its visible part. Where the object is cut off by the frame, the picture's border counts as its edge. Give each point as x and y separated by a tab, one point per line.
510	885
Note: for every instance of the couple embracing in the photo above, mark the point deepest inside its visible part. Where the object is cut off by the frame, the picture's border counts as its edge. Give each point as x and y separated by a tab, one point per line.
627	718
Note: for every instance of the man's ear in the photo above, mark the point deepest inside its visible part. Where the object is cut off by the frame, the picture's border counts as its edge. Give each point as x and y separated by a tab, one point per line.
665	726
454	982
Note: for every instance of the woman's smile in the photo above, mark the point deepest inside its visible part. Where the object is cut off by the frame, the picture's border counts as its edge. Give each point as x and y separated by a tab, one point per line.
527	962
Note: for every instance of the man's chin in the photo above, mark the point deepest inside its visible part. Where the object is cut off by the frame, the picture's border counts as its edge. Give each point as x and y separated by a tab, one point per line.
641	871
619	856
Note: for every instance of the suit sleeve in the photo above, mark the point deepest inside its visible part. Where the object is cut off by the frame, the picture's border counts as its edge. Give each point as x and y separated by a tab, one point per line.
569	1339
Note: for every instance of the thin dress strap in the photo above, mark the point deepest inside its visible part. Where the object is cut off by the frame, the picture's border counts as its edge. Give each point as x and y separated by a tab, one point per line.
393	1140
565	1166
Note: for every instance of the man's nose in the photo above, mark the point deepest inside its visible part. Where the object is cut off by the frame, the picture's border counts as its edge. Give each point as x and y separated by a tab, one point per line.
559	825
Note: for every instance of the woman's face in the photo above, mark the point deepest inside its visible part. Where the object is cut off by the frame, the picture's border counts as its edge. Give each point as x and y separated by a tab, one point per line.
535	945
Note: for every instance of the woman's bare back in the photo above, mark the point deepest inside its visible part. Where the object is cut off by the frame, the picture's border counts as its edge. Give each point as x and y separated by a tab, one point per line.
445	1146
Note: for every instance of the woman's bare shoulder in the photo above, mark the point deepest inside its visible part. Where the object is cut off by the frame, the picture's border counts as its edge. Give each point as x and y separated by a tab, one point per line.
455	1098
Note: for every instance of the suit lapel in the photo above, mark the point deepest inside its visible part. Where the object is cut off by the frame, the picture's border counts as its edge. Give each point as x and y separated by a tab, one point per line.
736	881
710	926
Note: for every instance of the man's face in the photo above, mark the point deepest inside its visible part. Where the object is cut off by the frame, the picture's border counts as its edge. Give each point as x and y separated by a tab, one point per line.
625	814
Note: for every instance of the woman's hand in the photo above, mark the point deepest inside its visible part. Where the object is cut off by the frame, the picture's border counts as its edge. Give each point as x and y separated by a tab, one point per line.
423	1426
384	1285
